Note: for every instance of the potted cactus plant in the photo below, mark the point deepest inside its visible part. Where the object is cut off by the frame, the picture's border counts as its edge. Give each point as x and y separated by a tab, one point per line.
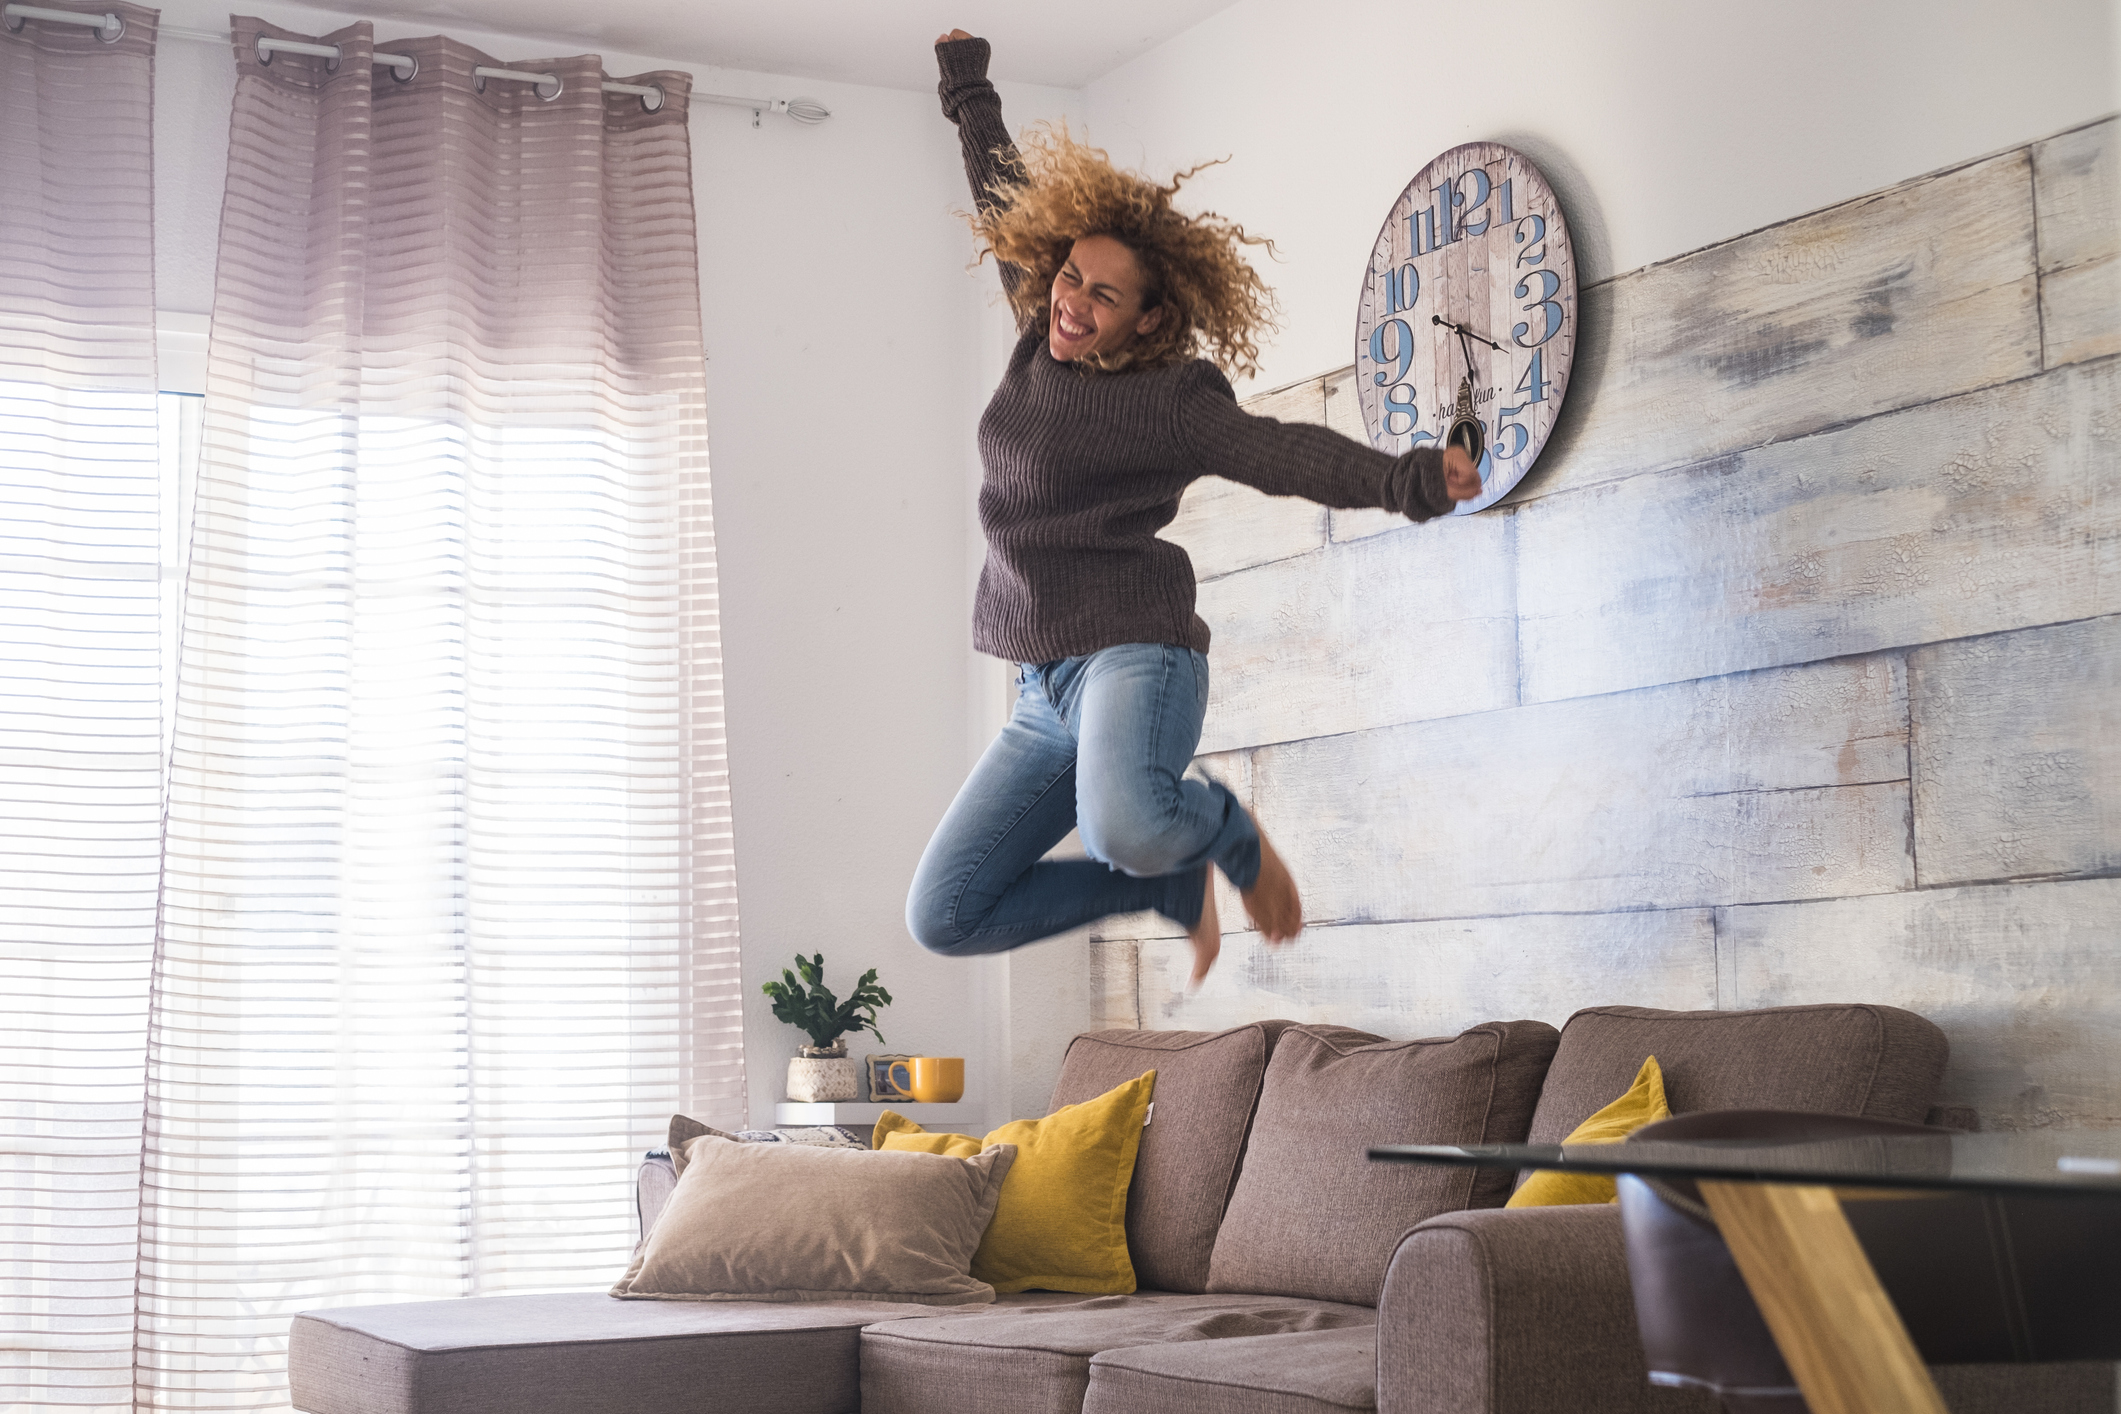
824	1071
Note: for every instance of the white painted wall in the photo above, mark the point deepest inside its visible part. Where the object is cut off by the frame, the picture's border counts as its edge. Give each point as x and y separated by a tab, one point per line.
1664	126
849	353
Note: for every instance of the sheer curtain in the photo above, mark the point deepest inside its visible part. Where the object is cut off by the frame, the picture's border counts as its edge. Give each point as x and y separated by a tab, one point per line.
446	917
80	702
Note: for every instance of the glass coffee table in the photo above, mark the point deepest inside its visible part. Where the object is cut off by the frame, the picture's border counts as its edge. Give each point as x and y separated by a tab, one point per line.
1778	1206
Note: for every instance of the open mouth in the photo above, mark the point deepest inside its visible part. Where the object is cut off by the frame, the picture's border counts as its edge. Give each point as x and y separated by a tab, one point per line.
1070	329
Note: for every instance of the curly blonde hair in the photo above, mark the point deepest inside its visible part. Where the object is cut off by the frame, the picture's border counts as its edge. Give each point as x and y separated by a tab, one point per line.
1215	304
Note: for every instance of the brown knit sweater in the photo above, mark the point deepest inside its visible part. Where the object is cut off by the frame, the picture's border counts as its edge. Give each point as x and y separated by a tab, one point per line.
1084	468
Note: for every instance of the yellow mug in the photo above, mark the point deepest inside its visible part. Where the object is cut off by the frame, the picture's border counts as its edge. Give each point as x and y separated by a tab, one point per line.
933	1080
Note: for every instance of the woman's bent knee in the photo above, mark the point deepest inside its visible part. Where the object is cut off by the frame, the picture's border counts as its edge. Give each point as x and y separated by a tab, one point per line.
932	921
1144	848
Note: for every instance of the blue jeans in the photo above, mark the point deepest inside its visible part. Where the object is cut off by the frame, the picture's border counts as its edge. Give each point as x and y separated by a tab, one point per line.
1099	742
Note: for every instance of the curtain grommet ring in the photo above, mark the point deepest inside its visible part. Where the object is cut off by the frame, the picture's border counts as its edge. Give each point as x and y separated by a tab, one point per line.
653	102
112	29
408	72
558	87
478	83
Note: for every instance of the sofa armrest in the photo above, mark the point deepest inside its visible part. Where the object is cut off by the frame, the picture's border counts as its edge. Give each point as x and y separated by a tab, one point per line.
652	1188
1516	1311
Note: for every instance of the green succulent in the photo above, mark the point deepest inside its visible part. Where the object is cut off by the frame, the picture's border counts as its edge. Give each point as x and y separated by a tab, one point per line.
809	1005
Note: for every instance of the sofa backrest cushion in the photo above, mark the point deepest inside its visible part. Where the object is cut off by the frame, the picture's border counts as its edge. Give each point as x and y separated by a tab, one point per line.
1876	1061
1312	1215
1206	1085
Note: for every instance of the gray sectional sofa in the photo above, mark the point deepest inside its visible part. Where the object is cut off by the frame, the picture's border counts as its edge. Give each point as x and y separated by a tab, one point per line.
1281	1272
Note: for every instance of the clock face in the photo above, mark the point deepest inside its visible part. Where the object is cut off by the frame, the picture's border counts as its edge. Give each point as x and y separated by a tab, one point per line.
1467	323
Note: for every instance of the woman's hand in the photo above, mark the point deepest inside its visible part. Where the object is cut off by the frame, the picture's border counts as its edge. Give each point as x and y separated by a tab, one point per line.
1461	479
954	34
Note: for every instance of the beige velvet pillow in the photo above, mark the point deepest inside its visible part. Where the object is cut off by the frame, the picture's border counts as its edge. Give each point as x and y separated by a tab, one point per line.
790	1222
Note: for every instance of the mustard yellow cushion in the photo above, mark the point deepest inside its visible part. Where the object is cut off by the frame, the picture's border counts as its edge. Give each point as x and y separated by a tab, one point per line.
1061	1224
1643	1104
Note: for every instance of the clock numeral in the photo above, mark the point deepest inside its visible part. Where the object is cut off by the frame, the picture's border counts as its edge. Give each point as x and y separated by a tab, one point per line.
1402	289
1503	424
1534	383
1551	313
1398	401
1507	214
1421	230
1476	202
1448	201
1535	251
1404	355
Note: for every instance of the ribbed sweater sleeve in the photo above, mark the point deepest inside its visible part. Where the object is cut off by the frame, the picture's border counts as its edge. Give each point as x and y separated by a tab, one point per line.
970	101
1298	458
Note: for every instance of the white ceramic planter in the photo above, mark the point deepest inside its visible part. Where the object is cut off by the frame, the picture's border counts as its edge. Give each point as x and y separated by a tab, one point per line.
822	1079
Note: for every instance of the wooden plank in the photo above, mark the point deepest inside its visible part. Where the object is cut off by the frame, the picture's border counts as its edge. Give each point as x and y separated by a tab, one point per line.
1779	785
1416	624
1972	515
1894	299
1833	1322
2077	194
1227	527
2020	976
1115	971
1404	980
2017	754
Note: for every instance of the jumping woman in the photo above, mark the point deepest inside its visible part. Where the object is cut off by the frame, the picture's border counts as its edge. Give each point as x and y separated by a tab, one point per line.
1113	402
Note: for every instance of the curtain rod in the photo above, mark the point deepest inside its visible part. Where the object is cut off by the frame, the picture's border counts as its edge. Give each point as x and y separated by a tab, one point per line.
110	28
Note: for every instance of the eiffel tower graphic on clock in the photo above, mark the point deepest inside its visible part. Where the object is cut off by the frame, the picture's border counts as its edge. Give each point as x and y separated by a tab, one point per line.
1465	427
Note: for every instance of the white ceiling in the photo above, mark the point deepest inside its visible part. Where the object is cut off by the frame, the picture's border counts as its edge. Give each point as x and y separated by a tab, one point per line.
1065	43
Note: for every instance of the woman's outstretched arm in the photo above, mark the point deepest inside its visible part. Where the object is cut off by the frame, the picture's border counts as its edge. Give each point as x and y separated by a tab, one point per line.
970	101
1316	463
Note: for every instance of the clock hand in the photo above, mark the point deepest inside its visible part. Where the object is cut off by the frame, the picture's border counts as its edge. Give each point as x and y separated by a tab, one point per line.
1464	332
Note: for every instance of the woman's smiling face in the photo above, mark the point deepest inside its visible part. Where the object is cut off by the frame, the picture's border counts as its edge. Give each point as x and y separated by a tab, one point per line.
1097	301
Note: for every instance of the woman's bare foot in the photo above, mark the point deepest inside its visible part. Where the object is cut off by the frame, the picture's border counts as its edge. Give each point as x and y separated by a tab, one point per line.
1207	935
1272	901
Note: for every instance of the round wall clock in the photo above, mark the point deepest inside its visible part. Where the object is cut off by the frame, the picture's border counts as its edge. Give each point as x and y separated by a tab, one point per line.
1467	323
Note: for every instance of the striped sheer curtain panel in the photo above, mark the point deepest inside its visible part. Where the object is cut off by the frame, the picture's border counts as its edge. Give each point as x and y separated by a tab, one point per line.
80	702
447	923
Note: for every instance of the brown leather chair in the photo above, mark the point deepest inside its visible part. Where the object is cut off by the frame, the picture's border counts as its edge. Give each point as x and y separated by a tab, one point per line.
1977	1279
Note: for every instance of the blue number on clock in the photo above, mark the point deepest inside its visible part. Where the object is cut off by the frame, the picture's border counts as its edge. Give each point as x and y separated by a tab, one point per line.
1535	251
1404	355
1473	203
1502	425
1402	289
1400	400
1534	383
1550	321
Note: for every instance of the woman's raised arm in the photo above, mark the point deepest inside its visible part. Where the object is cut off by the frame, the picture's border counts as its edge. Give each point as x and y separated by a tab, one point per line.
1316	463
970	101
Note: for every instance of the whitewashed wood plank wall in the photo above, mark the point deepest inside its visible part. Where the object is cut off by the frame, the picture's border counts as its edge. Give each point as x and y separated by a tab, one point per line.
1792	674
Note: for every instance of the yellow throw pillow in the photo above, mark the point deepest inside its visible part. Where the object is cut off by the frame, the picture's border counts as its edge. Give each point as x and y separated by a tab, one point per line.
1643	1104
1061	1224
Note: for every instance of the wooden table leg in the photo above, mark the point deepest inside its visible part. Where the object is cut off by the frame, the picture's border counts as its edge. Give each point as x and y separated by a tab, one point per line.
1836	1327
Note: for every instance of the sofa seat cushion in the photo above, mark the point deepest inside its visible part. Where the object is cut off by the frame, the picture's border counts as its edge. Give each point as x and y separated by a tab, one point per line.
1038	1361
1308	1372
581	1354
